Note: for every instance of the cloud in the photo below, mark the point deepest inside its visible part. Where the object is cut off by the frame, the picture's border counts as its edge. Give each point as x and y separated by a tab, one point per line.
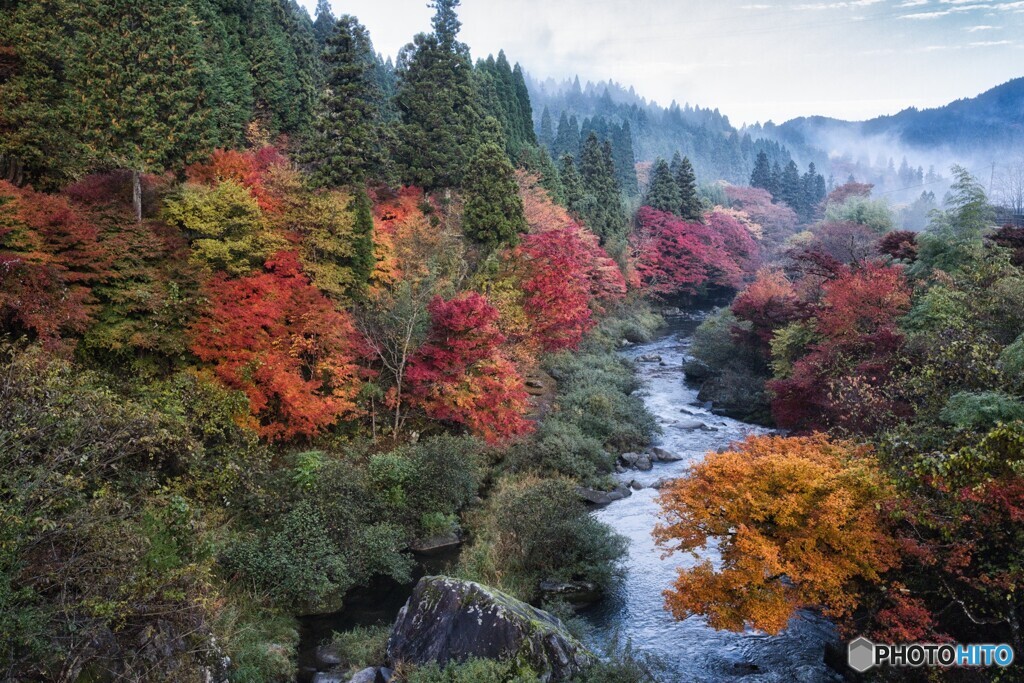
975	29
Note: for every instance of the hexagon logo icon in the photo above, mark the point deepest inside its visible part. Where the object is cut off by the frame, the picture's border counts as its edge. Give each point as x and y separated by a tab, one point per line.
861	654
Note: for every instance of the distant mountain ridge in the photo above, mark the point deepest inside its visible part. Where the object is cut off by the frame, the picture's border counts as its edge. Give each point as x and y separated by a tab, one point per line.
994	118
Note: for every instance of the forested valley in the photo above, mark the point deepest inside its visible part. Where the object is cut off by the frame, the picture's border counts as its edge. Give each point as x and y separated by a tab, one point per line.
280	316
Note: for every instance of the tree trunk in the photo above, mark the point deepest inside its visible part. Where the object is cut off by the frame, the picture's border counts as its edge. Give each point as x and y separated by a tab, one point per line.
137	195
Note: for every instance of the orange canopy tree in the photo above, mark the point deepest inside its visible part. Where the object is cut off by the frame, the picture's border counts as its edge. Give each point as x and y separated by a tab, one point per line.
796	522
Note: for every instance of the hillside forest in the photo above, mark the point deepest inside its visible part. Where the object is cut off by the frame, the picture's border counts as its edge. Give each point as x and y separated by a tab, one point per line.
276	312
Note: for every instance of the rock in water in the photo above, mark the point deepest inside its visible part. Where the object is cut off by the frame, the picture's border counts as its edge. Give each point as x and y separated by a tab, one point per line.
450	620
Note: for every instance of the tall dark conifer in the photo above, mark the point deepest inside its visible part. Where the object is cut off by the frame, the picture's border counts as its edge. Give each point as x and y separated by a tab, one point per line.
663	192
437	104
567	141
547	131
602	208
624	158
790	187
572	184
761	177
691	208
142	83
493	212
348	143
325	22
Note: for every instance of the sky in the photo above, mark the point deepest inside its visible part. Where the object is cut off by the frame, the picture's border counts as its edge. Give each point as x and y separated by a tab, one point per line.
751	59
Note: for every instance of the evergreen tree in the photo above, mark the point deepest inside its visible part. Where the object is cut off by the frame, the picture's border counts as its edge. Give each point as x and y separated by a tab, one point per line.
572	184
602	208
325	22
39	141
230	99
541	163
437	103
775	186
812	191
140	106
348	140
762	174
285	65
547	131
790	187
493	212
625	159
503	95
663	193
691	208
522	94
567	141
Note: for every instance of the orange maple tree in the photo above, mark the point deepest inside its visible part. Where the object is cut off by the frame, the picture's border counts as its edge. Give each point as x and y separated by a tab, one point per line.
795	521
274	336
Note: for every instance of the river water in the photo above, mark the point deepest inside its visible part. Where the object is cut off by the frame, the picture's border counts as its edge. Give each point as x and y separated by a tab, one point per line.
692	651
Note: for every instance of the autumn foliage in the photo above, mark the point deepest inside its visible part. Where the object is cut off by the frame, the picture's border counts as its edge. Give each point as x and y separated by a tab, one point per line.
275	337
796	522
250	169
460	374
682	257
49	258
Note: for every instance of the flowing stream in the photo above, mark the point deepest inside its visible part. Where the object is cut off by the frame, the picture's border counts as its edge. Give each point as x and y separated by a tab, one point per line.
691	649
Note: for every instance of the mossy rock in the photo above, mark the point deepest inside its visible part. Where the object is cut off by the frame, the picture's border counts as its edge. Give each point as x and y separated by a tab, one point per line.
451	620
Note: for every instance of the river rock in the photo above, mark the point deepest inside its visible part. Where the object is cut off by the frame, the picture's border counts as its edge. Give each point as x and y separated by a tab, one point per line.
661	483
603	497
577	592
436	544
635	485
451	620
370	675
644	464
649	358
327	656
328	677
694	424
661	455
629	459
697	371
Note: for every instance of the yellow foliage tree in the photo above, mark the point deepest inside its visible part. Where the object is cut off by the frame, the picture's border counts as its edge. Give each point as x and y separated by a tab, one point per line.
797	524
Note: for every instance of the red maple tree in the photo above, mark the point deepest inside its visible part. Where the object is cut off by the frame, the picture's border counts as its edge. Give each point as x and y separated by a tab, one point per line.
460	374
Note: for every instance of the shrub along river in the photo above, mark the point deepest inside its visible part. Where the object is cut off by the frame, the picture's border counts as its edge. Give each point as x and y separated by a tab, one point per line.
691	650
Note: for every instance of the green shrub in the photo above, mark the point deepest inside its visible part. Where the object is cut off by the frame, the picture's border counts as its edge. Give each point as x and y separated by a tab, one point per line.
1011	360
87	502
596	394
535	529
362	646
981	410
296	561
561	447
623	663
473	671
260	642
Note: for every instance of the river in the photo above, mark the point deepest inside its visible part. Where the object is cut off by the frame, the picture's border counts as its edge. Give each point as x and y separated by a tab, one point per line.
691	649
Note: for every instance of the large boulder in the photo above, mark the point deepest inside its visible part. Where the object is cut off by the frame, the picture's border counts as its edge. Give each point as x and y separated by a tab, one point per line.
450	620
595	497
